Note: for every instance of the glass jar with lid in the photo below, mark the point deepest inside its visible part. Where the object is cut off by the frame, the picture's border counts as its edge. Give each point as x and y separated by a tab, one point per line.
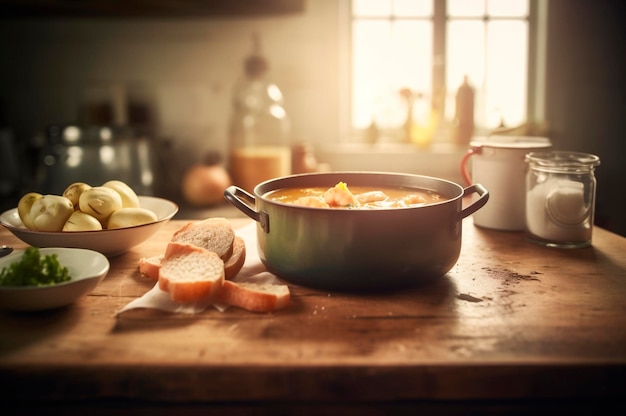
560	198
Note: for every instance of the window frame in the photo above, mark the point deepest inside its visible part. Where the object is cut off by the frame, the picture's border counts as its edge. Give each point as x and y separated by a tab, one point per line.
535	103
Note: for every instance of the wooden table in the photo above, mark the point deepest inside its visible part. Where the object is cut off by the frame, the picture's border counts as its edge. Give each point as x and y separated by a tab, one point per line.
512	327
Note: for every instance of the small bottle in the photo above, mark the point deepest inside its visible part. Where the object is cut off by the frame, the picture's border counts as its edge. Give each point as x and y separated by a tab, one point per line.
260	129
372	132
560	198
464	117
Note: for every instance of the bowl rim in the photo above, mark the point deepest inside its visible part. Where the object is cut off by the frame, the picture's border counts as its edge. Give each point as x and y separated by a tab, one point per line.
89	267
174	208
59	251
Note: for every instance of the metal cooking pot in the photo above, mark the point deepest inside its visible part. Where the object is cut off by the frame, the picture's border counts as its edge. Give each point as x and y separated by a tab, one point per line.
357	250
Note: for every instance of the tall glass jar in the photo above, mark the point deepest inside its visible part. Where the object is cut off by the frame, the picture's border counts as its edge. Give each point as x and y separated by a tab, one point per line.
259	133
560	198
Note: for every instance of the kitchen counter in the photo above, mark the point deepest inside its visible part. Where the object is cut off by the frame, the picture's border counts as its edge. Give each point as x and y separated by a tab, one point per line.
513	328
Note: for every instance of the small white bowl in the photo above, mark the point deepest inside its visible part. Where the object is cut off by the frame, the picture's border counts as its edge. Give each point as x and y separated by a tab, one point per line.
108	242
86	267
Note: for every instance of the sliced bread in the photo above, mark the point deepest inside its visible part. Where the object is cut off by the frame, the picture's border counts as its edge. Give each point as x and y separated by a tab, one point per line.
149	266
190	273
235	262
254	297
213	234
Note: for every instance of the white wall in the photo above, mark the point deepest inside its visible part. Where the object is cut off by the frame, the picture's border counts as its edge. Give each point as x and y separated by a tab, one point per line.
185	68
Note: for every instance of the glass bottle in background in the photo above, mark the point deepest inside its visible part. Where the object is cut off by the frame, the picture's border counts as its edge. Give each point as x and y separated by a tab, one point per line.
464	118
259	133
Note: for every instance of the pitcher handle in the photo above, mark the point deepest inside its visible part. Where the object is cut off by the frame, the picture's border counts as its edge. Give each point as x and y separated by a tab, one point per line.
464	161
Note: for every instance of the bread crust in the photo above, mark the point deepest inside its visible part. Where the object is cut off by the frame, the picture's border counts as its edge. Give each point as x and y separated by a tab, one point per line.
213	234
199	263
235	262
190	273
255	297
149	266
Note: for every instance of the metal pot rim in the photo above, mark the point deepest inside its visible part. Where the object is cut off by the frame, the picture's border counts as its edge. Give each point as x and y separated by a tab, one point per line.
456	190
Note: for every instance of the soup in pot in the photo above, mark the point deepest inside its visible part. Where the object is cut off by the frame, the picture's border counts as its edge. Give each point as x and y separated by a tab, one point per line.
357	197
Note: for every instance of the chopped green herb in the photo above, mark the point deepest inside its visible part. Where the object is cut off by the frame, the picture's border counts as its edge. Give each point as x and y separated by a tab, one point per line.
34	270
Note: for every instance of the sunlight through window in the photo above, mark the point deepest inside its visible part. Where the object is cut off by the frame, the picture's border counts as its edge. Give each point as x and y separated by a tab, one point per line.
427	47
488	42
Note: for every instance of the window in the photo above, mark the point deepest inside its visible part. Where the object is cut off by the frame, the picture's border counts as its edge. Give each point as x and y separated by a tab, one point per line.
412	55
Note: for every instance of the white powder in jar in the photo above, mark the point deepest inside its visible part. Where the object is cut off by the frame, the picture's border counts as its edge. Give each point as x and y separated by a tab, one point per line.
556	211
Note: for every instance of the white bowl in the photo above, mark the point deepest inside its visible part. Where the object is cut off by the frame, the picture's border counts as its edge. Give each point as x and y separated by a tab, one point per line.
108	242
86	267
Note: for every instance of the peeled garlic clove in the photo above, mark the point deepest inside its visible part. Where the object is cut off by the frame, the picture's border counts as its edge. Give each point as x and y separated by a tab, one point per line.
23	208
79	221
50	212
129	217
100	202
74	191
129	197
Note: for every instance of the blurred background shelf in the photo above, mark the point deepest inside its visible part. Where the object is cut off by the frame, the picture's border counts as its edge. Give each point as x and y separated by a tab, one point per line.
152	8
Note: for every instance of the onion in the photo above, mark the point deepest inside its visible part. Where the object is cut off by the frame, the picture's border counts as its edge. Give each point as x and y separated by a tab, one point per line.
204	185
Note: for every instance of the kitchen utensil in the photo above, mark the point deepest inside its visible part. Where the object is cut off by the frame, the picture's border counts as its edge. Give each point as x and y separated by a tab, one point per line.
497	162
339	249
96	154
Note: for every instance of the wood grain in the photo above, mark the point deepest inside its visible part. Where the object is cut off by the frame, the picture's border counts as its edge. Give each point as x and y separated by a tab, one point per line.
512	321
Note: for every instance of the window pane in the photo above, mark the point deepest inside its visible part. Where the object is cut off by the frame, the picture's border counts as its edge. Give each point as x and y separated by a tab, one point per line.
509	8
506	74
465	56
422	8
371	7
369	56
412	48
391	54
388	56
466	7
466	52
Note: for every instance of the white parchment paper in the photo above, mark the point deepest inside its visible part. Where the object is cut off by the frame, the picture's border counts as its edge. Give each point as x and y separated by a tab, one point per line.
252	270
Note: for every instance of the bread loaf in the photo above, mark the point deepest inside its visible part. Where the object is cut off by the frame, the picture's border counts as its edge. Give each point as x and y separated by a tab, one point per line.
190	273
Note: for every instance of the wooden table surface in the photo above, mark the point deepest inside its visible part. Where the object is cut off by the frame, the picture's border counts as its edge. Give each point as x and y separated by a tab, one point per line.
513	326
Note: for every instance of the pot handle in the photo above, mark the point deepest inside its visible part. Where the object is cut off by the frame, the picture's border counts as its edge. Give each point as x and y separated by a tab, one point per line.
476	205
236	196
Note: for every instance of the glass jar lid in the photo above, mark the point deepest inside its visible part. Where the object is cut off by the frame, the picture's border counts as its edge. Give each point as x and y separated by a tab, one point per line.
562	161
